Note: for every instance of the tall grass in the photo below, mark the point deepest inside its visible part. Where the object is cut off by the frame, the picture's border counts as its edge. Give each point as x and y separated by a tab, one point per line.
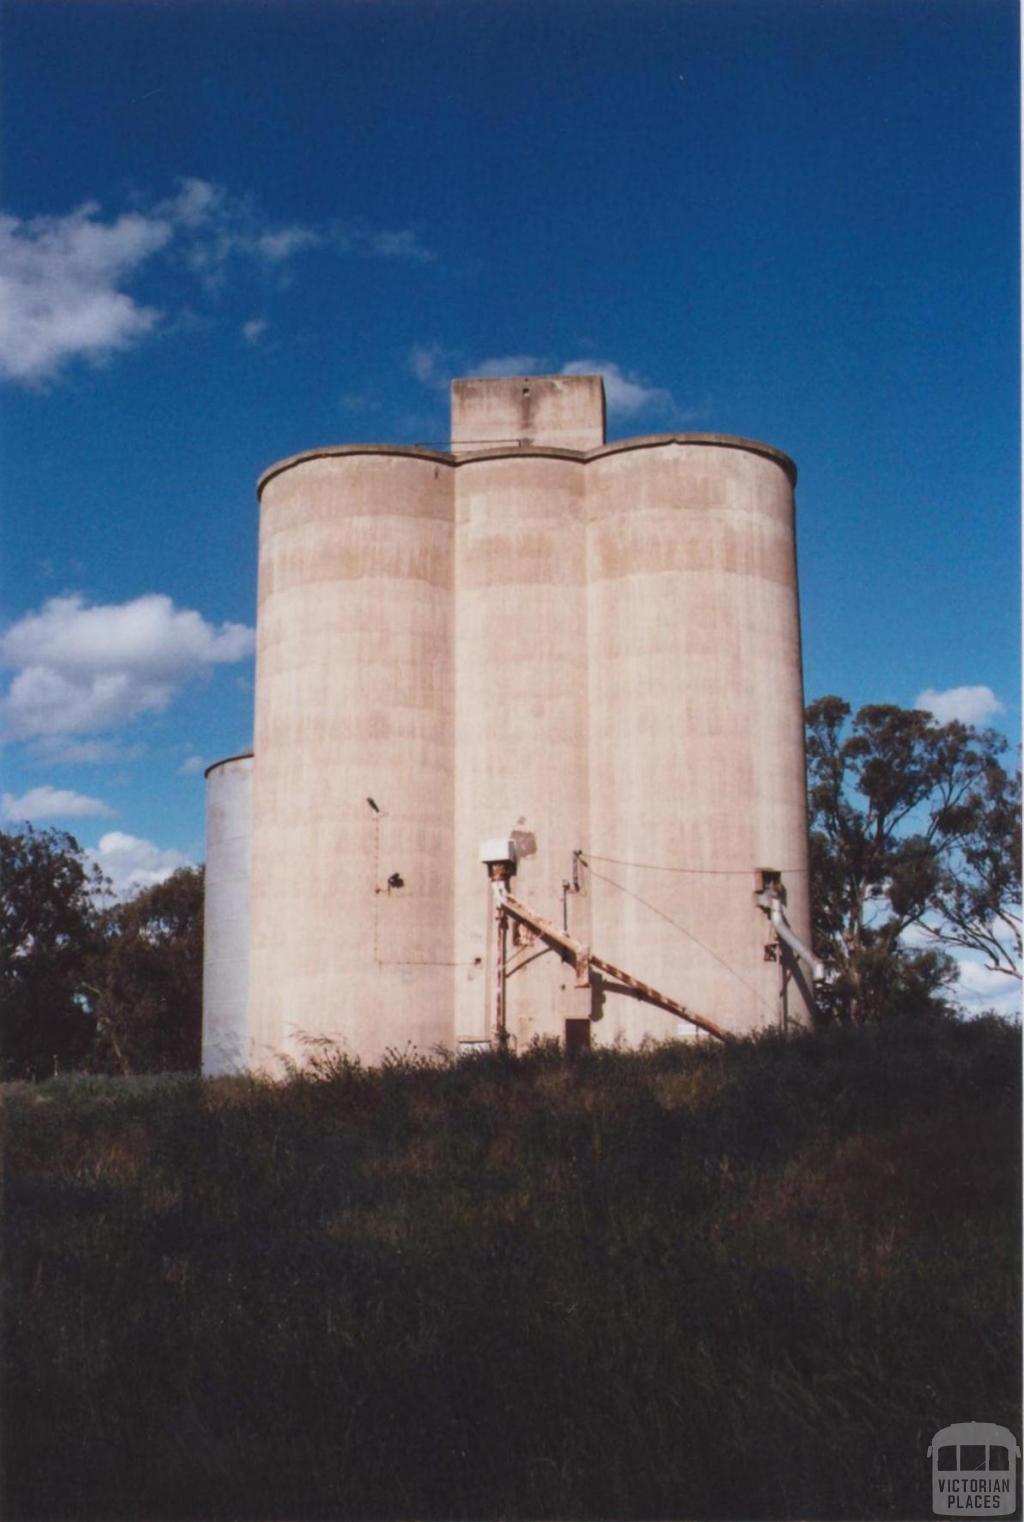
681	1283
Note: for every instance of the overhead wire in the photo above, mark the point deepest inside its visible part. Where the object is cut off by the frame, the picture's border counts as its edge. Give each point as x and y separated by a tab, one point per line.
681	928
653	866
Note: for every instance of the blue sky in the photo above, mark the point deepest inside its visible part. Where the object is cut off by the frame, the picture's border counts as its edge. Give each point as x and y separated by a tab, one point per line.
235	229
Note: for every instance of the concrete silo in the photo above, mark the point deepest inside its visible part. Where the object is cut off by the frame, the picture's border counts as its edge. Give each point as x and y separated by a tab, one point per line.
226	916
695	725
589	651
353	792
521	679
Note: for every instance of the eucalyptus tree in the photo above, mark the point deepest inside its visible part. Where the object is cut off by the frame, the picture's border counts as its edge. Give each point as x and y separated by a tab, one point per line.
915	831
147	978
49	936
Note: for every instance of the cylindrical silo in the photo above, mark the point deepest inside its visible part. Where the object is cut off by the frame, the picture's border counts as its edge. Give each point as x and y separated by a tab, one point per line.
536	637
696	764
521	722
226	916
352	862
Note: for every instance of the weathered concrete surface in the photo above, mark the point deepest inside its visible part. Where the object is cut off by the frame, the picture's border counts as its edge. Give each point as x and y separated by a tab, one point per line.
226	917
521	718
589	648
695	727
353	704
549	411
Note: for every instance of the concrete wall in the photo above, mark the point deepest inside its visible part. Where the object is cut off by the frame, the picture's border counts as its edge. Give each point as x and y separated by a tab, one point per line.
696	730
226	917
521	718
354	703
548	411
589	648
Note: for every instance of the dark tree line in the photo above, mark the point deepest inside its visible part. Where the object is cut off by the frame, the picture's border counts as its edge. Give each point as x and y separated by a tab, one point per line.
915	854
89	984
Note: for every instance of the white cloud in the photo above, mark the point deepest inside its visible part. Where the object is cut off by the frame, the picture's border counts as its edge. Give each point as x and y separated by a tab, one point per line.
430	366
48	802
80	669
399	245
60	288
626	393
916	935
971	705
254	329
977	981
356	401
215	228
66	282
435	366
222	227
41	701
286	241
132	863
979	987
507	364
58	750
191	765
195	203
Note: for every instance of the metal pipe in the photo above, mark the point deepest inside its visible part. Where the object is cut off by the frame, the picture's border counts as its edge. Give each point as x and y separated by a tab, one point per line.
793	941
499	1001
501	958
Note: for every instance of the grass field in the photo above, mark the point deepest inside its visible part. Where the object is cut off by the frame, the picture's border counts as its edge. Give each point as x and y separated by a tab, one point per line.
683	1283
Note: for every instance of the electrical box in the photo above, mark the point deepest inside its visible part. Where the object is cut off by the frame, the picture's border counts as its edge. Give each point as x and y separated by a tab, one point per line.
494	851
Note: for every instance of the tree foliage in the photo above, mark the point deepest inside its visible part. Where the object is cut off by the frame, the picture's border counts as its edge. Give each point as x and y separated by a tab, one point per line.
48	937
915	828
147	978
89	984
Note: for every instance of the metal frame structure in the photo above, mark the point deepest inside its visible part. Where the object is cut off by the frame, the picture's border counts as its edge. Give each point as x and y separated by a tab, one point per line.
500	859
771	897
499	856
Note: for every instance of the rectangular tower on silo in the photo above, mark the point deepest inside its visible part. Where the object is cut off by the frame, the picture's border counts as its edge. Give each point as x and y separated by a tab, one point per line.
549	411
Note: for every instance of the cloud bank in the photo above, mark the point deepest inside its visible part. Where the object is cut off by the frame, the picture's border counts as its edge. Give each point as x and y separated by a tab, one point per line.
131	863
48	802
67	282
59	750
81	668
981	988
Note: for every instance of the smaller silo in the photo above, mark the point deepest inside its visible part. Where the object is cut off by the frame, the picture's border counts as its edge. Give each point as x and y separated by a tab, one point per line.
226	916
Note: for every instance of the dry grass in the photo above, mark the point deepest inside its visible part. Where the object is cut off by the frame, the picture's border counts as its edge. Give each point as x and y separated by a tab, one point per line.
681	1283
